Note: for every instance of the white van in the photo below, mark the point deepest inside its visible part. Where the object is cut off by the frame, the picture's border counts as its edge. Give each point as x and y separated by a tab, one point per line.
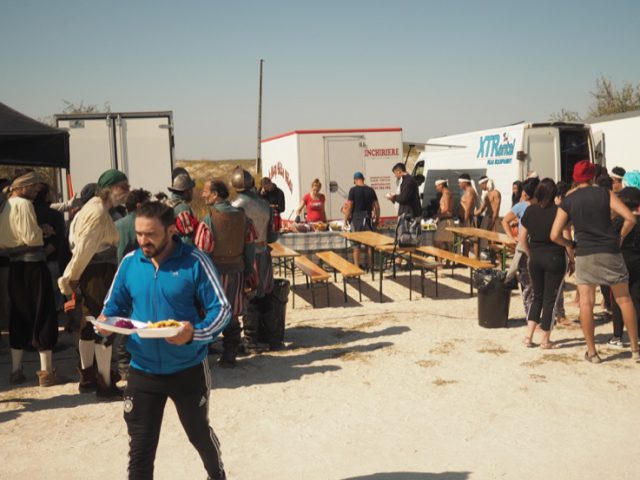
505	154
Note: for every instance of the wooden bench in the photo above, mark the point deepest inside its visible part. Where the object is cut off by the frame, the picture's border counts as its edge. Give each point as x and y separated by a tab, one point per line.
346	268
314	275
472	263
423	264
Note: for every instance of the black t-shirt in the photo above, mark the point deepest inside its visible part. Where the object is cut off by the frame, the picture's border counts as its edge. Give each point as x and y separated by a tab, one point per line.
538	222
589	210
362	197
630	248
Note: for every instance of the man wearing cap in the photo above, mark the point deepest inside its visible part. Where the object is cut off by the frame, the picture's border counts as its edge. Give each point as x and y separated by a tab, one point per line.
617	174
596	249
468	202
227	236
362	212
443	237
259	315
181	196
32	319
490	207
93	237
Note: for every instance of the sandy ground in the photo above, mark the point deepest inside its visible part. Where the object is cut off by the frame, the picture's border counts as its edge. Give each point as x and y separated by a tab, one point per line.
411	390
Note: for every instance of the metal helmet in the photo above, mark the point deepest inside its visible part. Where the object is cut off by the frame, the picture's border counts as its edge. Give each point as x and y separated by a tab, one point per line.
241	180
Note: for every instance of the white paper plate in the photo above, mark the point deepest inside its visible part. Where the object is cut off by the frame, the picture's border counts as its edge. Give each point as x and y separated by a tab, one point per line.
109	324
163	332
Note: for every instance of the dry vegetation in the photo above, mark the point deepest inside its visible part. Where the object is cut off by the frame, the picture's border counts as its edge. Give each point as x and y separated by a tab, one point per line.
203	170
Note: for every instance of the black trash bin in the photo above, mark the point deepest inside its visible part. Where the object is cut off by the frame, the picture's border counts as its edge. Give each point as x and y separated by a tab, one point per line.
278	298
493	298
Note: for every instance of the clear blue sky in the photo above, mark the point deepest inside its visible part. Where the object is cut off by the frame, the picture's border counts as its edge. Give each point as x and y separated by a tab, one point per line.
430	67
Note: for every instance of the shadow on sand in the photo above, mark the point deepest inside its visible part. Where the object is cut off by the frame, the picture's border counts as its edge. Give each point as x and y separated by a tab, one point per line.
413	476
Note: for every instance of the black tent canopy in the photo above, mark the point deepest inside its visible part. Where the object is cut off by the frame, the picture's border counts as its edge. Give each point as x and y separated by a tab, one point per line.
25	141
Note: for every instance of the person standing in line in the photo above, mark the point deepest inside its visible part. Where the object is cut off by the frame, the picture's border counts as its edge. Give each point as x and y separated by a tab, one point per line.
362	212
227	236
547	261
259	319
597	250
93	237
407	196
4	268
468	201
168	279
32	319
443	238
126	226
490	207
181	197
516	192
520	260
270	192
630	247
313	203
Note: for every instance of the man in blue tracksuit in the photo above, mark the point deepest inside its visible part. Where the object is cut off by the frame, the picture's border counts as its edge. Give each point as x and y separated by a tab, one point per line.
167	279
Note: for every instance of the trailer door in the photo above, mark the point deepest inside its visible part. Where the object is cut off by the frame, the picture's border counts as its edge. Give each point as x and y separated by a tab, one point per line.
90	148
542	147
343	157
145	151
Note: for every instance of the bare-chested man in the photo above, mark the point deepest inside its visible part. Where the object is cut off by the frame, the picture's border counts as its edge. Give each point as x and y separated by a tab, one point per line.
490	207
444	238
467	205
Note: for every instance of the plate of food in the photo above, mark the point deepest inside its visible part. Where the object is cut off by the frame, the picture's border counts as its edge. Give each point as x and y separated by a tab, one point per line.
122	325
161	329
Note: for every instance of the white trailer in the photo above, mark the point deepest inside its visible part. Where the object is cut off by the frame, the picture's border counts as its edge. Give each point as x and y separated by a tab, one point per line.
505	154
292	160
620	137
138	143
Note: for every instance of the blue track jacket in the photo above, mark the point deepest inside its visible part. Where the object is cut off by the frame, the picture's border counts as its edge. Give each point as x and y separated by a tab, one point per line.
185	280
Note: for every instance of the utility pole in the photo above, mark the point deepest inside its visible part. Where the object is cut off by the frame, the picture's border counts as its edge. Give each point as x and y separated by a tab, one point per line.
259	153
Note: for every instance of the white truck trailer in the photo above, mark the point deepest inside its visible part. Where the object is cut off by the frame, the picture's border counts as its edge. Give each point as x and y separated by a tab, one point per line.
620	136
292	160
138	143
505	154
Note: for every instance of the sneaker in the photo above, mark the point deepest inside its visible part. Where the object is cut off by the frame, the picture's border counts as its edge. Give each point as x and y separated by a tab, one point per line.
615	342
17	377
108	393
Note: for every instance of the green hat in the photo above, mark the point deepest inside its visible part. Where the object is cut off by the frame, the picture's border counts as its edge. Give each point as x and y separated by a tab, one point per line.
111	177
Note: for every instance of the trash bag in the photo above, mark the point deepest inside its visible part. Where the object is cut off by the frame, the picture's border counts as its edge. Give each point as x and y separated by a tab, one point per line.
494	297
272	327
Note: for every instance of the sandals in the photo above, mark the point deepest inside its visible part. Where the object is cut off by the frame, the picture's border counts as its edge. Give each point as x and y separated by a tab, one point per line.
548	346
528	343
595	358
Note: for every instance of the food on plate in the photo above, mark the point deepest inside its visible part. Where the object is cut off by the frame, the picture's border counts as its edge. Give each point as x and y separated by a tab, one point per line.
299	227
122	323
319	226
164	324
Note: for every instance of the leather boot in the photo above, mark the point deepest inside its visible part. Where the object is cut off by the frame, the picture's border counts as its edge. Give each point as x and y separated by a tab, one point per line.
87	382
48	379
106	392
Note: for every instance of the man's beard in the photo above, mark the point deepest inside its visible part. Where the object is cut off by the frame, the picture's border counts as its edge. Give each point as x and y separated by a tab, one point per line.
155	251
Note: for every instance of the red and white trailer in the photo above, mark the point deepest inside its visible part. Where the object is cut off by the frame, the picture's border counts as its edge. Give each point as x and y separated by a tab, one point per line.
293	160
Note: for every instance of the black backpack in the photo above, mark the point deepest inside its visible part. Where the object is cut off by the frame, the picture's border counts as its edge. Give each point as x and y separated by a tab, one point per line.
408	231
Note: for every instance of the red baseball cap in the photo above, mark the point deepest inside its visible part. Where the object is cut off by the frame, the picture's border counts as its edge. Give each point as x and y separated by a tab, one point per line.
583	171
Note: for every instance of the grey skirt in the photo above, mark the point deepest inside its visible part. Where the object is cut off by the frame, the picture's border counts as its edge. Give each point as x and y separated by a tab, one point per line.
601	269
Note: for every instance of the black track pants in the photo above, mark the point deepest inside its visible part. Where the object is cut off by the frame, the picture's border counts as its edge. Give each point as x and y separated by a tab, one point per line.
144	400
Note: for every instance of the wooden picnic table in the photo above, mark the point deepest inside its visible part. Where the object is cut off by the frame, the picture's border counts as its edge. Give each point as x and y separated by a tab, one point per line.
287	256
502	240
371	240
472	263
